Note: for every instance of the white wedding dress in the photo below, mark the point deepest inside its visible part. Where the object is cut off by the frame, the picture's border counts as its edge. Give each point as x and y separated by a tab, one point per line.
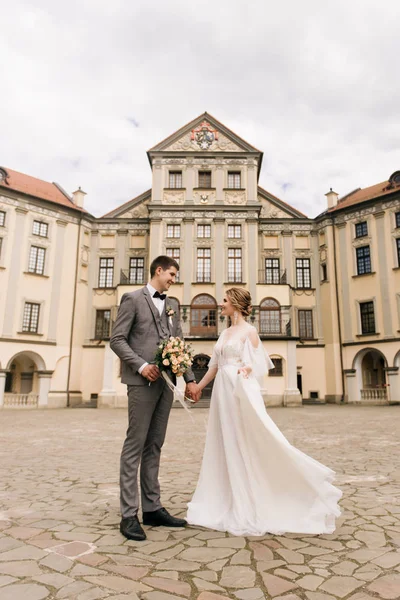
252	480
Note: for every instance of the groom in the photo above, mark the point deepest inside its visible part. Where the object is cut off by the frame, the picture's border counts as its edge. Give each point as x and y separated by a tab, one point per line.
141	324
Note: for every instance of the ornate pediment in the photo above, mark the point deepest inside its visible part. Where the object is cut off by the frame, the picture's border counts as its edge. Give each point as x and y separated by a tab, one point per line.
274	208
134	209
204	134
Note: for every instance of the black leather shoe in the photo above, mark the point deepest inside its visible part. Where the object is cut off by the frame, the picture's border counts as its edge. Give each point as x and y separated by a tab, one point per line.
131	529
162	517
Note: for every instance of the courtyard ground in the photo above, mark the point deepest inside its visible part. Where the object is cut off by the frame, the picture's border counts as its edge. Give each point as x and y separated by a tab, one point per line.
59	513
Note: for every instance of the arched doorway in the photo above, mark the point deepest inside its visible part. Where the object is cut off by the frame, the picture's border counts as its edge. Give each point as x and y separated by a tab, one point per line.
203	316
370	366
24	382
199	368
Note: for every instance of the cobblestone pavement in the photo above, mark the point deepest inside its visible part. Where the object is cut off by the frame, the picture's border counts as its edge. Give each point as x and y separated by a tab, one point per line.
59	516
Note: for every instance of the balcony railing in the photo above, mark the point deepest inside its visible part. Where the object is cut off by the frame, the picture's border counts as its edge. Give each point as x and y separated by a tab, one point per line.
269	324
132	277
272	277
374	394
20	400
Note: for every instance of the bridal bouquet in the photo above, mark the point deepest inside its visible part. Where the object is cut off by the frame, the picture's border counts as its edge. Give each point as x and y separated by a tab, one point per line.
174	355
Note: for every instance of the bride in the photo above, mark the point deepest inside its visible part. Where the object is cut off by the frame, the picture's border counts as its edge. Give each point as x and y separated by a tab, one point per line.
252	480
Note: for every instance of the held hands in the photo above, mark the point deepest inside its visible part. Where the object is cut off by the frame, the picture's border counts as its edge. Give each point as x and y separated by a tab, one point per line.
245	371
193	391
151	372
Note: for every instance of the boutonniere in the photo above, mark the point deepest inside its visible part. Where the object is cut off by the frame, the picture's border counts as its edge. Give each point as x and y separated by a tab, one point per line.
170	314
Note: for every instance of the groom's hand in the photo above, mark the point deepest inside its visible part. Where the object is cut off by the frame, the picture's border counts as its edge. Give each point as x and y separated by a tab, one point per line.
192	391
151	372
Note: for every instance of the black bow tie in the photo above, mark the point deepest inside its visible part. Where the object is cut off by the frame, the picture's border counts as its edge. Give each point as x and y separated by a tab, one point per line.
158	295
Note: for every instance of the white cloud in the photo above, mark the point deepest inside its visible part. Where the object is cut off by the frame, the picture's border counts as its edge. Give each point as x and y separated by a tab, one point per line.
89	86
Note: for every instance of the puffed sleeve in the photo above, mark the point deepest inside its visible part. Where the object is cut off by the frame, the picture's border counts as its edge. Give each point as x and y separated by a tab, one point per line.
256	357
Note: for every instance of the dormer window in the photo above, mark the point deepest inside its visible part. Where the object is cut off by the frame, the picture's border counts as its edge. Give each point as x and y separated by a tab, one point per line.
394	179
3	174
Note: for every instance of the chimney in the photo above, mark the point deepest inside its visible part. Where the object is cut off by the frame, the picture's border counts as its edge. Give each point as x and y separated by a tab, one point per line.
332	198
78	197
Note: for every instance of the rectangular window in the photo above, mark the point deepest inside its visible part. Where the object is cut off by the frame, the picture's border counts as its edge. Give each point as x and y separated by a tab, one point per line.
397	219
303	272
397	247
136	270
175	179
234	180
363	260
103	323
173	231
306	324
106	273
234	265
2	218
277	371
204	265
40	228
36	260
31	317
367	317
361	229
324	272
272	275
203	231
175	253
205	179
234	231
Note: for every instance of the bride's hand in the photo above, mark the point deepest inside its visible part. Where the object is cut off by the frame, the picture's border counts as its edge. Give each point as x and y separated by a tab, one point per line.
245	371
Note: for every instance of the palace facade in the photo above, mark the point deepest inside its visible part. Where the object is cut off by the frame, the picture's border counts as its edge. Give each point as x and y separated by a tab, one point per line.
326	291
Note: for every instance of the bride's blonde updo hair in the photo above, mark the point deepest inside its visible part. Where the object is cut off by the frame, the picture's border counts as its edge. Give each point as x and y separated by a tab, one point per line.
240	300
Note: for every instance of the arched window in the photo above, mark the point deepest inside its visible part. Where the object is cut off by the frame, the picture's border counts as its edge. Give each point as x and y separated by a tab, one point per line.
203	316
270	316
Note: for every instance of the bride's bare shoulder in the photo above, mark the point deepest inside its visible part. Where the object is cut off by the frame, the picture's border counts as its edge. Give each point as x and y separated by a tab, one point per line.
252	334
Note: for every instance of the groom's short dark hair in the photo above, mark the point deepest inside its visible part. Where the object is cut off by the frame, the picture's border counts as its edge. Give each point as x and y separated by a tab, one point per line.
165	262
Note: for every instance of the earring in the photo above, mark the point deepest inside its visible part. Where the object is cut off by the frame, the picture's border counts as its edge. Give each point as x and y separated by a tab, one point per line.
235	317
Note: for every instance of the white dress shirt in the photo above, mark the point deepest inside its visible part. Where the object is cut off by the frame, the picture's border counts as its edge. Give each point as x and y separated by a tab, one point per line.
159	304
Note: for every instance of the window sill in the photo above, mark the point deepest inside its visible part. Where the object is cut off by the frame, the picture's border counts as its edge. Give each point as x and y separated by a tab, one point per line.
36	274
30	333
205	189
304	339
167	189
364	274
305	288
324	281
359	335
107	288
234	189
203	283
235	283
394	268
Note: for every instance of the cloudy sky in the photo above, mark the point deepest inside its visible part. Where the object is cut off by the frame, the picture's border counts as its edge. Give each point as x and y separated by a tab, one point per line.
88	86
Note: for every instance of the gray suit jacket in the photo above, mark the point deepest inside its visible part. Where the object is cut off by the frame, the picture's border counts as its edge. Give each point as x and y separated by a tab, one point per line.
138	331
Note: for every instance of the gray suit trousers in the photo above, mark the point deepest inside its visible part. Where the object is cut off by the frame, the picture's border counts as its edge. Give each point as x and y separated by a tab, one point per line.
148	409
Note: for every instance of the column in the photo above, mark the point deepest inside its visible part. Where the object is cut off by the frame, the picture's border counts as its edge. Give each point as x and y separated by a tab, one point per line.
393	380
219	184
219	257
288	256
44	387
343	277
187	260
353	394
56	281
121	261
291	396
108	394
252	256
156	238
12	300
382	272
3	374
93	280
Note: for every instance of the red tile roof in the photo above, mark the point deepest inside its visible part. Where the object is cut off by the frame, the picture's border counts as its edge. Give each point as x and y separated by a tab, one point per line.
19	182
369	193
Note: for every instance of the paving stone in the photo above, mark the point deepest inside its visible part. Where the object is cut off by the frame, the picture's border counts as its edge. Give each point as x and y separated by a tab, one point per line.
117	584
250	594
207	575
94	593
168	574
24	552
388	587
202	584
205	555
159	596
340	586
6	580
178	565
237	577
24	591
276	585
229	542
372	539
319	596
56	580
243	557
344	568
387	561
57	563
310	582
168	585
210	596
286	574
23	533
8	543
21	568
290	556
261	552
